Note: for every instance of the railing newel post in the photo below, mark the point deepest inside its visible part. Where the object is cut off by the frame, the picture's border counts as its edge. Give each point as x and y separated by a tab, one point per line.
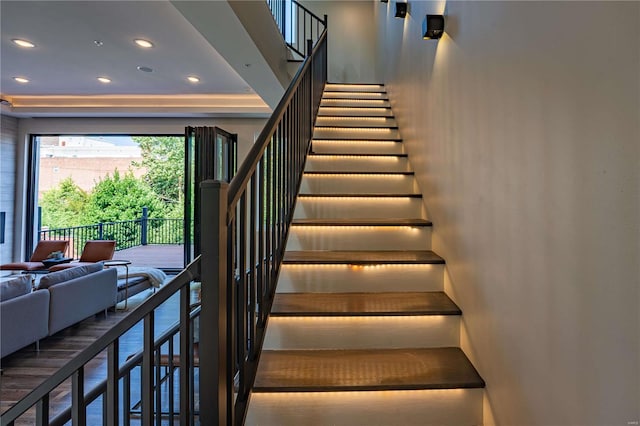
214	383
144	226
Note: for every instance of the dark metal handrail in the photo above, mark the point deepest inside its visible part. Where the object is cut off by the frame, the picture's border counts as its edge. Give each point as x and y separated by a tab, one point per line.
243	244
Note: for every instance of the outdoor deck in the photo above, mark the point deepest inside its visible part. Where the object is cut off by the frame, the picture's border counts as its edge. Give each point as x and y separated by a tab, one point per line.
164	256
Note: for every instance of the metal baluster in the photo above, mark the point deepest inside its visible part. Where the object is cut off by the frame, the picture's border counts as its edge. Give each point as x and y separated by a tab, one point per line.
78	407
185	331
42	411
111	397
147	370
253	346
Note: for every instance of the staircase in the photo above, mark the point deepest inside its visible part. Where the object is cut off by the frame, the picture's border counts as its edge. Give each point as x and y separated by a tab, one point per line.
361	332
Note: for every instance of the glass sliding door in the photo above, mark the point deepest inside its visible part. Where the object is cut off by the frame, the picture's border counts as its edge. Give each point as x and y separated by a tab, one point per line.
210	154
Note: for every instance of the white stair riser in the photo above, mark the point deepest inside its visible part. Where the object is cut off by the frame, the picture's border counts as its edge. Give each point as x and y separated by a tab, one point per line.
377	332
348	147
357	164
353	95
362	112
447	407
354	103
360	133
359	238
367	184
354	278
350	208
338	87
356	122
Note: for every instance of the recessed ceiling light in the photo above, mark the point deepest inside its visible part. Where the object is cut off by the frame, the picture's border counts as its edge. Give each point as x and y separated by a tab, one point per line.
21	80
23	43
143	43
98	43
144	69
193	79
104	80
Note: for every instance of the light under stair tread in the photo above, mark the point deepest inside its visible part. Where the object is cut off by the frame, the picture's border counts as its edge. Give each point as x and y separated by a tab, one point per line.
331	154
360	195
362	222
363	304
315	172
362	257
361	370
356	138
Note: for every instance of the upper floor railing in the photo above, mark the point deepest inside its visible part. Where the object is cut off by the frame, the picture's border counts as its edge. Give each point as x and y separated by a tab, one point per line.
243	243
297	24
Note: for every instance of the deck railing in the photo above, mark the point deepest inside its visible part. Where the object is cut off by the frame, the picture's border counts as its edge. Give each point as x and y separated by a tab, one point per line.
243	244
126	233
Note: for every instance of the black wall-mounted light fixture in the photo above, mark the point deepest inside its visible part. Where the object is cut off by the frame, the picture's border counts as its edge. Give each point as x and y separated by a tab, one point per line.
401	10
384	1
432	27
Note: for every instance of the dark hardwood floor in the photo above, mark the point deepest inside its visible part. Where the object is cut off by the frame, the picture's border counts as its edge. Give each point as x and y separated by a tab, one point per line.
27	368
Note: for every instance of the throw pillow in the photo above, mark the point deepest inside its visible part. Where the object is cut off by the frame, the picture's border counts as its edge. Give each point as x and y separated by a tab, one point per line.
15	287
68	274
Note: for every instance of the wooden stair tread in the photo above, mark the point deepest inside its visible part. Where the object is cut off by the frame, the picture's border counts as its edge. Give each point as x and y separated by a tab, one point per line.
360	138
360	370
361	257
360	195
357	173
329	154
363	304
362	222
355	106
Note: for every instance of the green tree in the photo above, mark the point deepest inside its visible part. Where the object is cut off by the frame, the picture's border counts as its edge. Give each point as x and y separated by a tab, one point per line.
117	197
163	159
64	205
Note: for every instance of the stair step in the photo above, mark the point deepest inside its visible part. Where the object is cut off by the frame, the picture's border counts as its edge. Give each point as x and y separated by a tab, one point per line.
346	278
347	87
354	95
342	121
356	163
382	183
360	195
357	147
357	133
346	156
362	222
454	407
361	103
358	207
365	304
355	112
358	237
356	257
353	174
365	370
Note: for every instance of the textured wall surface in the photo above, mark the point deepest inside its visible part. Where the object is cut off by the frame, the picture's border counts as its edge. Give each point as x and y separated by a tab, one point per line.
8	142
523	125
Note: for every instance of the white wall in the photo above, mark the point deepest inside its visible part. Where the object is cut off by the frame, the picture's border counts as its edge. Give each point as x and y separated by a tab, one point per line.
352	40
8	143
248	129
522	123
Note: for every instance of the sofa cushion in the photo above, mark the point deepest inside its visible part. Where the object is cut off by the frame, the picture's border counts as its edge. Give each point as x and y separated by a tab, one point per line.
15	287
122	282
68	274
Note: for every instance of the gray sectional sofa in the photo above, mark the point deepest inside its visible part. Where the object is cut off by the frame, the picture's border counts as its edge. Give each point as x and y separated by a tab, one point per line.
62	299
